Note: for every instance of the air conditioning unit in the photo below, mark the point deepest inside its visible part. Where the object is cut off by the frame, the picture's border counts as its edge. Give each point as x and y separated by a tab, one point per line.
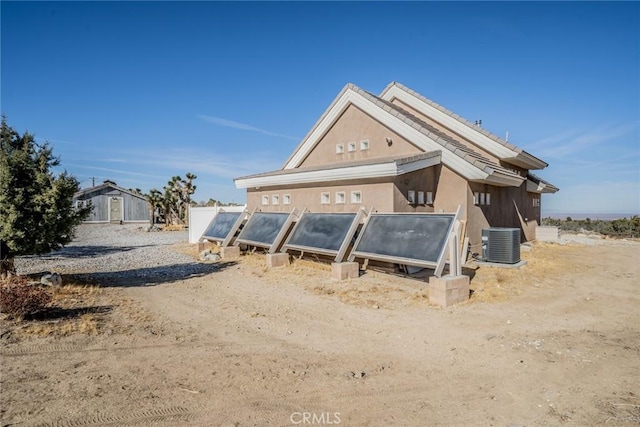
501	245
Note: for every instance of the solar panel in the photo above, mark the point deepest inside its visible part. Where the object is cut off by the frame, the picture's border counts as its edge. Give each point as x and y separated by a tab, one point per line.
221	225
322	233
409	239
262	228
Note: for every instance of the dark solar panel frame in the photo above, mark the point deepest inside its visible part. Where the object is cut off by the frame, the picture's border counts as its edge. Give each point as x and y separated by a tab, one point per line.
435	260
283	224
230	232
345	236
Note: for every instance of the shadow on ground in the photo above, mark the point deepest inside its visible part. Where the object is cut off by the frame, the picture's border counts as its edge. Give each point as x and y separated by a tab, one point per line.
89	251
148	276
57	313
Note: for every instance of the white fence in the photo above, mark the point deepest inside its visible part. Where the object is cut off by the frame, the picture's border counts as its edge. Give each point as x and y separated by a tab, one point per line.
200	217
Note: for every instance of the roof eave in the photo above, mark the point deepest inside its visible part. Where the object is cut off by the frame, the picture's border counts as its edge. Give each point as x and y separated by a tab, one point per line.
379	170
526	161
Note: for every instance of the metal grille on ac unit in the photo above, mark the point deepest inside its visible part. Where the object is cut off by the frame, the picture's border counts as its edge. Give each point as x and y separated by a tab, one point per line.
501	245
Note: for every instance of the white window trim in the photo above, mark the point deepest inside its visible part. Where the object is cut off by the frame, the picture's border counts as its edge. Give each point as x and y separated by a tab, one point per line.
339	148
265	200
487	199
286	199
429	199
364	145
275	199
341	198
411	197
421	197
357	194
325	198
351	147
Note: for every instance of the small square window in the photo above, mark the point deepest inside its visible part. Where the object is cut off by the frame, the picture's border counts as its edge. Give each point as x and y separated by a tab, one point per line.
340	197
351	147
339	148
429	197
275	199
364	144
325	198
356	197
487	199
265	199
411	197
421	197
286	199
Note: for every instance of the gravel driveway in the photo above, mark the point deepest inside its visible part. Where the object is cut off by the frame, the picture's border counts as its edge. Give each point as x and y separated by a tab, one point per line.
119	255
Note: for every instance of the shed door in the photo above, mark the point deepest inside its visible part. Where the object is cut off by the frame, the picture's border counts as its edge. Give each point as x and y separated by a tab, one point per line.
115	209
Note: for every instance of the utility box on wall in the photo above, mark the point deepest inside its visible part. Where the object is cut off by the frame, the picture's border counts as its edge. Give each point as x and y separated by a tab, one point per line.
501	245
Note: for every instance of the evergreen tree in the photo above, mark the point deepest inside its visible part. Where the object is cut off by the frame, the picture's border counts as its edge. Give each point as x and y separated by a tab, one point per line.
36	210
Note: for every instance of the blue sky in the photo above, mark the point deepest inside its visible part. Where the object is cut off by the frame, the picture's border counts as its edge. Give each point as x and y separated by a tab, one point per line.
138	92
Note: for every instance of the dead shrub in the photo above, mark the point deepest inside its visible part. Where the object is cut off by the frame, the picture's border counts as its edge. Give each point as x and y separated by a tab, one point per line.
19	299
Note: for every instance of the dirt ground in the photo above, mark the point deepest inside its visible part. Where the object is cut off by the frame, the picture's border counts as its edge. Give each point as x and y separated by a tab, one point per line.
555	343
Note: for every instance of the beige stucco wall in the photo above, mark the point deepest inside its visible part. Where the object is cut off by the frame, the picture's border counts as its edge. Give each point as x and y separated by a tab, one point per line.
377	193
355	126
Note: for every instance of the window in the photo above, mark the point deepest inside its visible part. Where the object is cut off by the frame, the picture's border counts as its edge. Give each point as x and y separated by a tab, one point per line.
339	148
340	197
286	199
351	147
265	199
429	197
325	198
79	204
536	202
411	197
364	144
483	199
421	197
356	197
275	199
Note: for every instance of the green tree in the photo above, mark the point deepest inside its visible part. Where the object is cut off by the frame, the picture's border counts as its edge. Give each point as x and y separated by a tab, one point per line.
36	209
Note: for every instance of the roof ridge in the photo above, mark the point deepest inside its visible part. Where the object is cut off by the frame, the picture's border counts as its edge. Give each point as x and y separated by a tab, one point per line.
441	138
458	117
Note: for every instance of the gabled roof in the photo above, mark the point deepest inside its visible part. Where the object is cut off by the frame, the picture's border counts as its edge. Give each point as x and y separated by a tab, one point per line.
535	184
462	159
104	185
476	134
360	169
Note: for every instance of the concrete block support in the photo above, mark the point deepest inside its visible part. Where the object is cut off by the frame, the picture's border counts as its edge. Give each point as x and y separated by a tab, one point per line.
547	234
448	290
277	260
205	245
345	270
230	253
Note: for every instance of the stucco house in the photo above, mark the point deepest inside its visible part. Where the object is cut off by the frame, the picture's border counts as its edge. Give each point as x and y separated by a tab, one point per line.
401	152
112	204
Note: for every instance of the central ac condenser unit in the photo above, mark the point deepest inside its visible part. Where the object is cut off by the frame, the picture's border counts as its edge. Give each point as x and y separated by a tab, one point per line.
501	245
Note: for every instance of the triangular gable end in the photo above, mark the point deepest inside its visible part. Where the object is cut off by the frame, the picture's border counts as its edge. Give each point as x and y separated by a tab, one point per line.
399	123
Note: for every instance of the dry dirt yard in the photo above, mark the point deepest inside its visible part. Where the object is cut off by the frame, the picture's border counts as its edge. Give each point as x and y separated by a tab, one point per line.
161	339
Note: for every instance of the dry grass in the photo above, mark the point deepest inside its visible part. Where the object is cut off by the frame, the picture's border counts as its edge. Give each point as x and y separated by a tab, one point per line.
75	308
174	227
544	263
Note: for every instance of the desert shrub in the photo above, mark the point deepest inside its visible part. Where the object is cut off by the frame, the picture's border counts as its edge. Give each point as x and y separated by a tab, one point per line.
625	227
19	299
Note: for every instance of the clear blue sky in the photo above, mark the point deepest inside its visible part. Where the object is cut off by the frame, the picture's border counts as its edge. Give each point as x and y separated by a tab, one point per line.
138	92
